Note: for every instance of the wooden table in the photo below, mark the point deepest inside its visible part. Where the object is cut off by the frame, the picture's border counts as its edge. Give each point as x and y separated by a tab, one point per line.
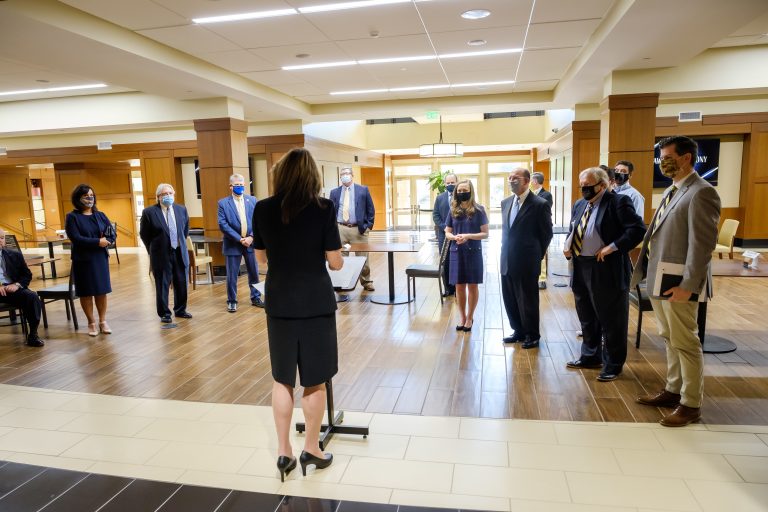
205	241
42	260
390	248
51	241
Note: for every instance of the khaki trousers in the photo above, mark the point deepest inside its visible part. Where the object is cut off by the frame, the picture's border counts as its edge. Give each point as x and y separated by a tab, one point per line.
685	358
351	235
543	274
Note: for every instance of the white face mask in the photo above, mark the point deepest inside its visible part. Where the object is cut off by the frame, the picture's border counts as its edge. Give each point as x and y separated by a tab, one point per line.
346	179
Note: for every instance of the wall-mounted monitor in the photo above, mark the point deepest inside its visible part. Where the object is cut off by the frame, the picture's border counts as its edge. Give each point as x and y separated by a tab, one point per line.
707	162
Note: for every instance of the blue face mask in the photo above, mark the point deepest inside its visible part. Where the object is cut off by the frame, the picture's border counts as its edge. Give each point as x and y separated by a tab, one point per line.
450	188
346	179
238	189
167	200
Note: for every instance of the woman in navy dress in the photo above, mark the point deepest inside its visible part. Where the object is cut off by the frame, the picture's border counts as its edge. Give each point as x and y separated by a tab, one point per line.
465	227
87	229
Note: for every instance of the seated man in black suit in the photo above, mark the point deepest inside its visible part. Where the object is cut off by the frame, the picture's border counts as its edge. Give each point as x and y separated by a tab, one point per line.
14	280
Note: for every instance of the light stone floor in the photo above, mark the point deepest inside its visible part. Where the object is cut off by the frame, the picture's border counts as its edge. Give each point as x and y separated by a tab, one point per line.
511	465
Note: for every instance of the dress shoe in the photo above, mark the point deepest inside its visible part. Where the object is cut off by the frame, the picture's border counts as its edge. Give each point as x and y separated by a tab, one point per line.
307	458
92	330
166	319
231	307
579	334
257	302
33	340
542	285
663	398
184	314
681	416
580	364
449	294
285	465
460	327
368	286
513	339
468	329
608	376
529	343
104	327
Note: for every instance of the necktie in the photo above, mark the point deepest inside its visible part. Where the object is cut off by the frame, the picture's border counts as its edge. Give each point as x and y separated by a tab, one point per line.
578	237
514	211
659	213
241	213
173	233
345	207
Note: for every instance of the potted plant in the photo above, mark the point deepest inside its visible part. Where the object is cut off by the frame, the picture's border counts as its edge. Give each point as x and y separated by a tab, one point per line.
436	180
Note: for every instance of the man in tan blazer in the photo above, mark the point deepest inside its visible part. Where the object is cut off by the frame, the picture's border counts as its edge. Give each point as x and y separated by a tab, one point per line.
675	258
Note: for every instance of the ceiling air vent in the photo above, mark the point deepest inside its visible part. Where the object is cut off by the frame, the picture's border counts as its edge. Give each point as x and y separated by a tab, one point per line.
104	144
688	116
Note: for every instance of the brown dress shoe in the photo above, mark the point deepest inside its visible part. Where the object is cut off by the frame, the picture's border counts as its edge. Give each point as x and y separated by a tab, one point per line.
661	399
681	416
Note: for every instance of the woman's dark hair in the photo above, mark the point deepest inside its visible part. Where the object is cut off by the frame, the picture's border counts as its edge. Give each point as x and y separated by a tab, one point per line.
78	193
297	182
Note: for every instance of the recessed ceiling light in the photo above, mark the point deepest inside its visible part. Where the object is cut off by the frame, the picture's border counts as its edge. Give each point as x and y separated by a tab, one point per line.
321	65
476	42
245	16
52	89
423	87
302	55
475	14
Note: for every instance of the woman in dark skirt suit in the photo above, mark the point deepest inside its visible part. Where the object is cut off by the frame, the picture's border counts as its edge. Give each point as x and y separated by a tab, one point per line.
295	231
86	228
465	227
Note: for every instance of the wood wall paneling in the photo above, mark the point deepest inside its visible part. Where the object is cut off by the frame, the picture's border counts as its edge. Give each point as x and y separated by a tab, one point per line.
374	179
17	202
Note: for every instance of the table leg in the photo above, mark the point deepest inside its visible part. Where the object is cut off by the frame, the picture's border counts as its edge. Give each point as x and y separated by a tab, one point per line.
53	263
391	298
334	422
711	344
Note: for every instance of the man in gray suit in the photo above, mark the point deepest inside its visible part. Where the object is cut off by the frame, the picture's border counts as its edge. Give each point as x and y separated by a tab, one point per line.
675	258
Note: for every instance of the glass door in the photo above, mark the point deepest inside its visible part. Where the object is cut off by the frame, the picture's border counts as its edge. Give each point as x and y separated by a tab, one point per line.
403	210
497	185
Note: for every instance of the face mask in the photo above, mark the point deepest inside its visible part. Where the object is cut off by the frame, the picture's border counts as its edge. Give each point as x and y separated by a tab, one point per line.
167	200
516	187
88	202
669	167
238	189
462	196
346	179
450	188
621	178
589	192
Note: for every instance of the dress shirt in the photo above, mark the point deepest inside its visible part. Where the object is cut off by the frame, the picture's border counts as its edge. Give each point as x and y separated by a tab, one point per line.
340	213
520	200
3	277
637	198
168	216
592	242
240	205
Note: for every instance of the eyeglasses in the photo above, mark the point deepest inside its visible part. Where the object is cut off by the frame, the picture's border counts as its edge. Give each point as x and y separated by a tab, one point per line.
166	194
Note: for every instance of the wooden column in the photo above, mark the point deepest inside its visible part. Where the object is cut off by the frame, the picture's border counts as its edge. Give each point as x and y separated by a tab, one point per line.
222	151
627	132
586	152
160	166
754	187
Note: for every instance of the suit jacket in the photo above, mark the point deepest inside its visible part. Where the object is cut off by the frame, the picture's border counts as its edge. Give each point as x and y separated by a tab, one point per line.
78	227
153	230
686	235
16	269
229	224
442	209
525	242
545	195
364	210
617	223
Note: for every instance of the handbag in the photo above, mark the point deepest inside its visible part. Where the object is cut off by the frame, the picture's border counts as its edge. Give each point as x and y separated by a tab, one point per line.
109	232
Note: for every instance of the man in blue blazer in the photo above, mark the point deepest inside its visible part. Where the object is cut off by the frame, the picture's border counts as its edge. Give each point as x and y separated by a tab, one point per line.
354	216
440	214
14	289
164	228
235	216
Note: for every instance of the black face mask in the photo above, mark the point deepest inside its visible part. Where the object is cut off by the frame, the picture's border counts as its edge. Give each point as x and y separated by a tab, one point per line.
462	196
589	192
621	178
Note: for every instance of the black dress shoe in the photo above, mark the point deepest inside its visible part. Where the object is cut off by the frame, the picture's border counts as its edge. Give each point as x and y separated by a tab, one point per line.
468	329
580	364
166	319
257	302
460	327
285	465
307	458
607	376
33	340
449	294
542	285
531	343
184	314
513	339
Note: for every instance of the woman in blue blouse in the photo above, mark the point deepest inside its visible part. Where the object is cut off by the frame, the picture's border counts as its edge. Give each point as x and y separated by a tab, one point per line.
465	227
90	232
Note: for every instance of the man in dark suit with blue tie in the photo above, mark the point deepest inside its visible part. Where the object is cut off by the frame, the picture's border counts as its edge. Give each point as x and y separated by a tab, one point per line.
235	215
604	228
440	214
525	235
164	228
354	216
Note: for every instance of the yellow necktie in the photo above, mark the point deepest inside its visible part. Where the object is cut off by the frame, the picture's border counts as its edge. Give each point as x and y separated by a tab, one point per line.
243	219
345	208
578	238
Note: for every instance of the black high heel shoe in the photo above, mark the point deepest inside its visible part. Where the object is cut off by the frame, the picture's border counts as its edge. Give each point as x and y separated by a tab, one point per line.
468	329
285	465
307	458
460	327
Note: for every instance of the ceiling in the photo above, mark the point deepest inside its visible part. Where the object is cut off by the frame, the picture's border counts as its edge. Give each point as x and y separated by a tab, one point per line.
153	46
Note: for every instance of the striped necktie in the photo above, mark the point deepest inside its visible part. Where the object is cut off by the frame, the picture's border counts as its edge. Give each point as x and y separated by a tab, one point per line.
659	213
578	237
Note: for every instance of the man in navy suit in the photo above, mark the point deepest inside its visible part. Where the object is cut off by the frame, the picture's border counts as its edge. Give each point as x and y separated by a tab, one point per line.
354	216
164	228
235	216
604	228
14	281
440	214
526	231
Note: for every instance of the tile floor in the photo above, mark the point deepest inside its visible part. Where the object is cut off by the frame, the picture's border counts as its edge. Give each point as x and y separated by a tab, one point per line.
455	463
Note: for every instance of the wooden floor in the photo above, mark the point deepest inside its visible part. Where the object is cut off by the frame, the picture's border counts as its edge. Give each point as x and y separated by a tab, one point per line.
405	359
